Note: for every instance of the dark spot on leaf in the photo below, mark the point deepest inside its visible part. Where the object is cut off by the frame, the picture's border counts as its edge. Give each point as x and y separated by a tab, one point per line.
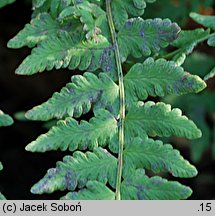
70	180
141	192
129	24
142	33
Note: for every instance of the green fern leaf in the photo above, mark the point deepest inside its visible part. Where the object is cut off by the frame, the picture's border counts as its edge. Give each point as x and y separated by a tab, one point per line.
159	120
40	28
140	187
94	191
39	3
6	2
189	37
54	7
141	37
57	6
77	171
88	13
1	166
156	156
63	51
77	98
70	134
2	197
159	78
205	20
5	120
211	41
187	41
210	75
123	8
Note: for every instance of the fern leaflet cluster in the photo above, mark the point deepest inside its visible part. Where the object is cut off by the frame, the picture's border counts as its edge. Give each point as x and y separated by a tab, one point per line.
185	45
112	152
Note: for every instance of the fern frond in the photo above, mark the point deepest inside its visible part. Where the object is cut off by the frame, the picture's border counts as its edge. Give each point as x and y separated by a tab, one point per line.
189	38
187	41
140	187
63	51
93	191
159	78
141	37
122	123
159	120
77	98
40	28
205	20
70	134
154	155
5	120
76	171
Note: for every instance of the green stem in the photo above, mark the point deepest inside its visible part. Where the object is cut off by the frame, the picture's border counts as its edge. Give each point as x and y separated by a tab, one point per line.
122	99
169	55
